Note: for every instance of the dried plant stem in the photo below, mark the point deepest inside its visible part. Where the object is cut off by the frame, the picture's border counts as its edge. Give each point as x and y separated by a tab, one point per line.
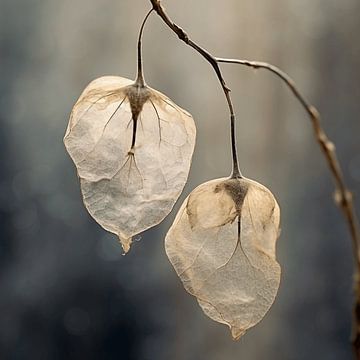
343	197
214	63
140	74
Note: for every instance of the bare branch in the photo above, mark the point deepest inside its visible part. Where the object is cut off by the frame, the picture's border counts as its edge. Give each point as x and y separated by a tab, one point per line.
343	197
236	173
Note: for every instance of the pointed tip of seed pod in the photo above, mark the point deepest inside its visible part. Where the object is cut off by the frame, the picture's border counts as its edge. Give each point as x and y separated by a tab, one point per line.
125	243
237	333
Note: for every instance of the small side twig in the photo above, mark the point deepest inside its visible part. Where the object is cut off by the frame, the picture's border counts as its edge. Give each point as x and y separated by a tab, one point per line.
343	197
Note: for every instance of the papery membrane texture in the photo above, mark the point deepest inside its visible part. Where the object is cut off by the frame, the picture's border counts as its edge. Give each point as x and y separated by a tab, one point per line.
222	246
132	147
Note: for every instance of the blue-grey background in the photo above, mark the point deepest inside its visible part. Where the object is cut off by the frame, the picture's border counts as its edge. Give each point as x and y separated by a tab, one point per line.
65	290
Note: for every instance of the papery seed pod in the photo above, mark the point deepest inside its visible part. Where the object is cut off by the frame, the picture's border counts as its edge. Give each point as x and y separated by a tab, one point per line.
132	147
222	246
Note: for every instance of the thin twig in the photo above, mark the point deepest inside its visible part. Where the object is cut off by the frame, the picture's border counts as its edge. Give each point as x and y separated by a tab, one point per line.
343	197
140	74
236	173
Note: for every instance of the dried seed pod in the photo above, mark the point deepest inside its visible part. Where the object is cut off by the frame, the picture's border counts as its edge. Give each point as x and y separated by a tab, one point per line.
132	147
222	246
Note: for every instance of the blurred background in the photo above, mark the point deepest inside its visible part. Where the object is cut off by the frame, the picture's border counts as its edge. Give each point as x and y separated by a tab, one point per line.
66	292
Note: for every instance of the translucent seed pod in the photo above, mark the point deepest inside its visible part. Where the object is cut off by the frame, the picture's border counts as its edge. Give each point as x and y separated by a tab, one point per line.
132	147
222	246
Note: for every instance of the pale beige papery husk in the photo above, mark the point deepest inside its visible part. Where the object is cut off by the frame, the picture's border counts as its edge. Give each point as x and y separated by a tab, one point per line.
222	246
125	191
